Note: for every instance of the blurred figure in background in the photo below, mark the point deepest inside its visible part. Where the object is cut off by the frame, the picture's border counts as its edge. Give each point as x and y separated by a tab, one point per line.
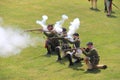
109	7
93	4
105	6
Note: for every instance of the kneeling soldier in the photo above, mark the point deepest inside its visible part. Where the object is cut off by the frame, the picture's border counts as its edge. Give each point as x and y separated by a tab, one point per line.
92	58
76	52
63	44
51	43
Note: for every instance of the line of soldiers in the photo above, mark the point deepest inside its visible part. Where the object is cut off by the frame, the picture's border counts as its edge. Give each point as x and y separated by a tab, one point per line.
61	45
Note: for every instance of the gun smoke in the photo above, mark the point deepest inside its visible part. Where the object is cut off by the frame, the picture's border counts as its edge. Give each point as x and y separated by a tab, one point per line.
43	22
13	41
59	24
74	26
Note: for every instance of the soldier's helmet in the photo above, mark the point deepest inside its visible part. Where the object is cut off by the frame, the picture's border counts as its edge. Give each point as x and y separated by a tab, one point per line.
75	34
64	29
89	43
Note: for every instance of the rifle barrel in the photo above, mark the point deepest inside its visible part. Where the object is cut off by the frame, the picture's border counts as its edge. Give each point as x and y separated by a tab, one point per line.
30	30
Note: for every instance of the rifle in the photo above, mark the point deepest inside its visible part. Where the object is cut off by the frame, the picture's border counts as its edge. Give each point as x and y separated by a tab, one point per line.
30	30
70	49
60	38
85	49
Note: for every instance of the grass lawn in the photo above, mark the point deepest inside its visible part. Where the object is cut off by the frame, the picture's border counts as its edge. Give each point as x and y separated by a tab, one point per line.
31	64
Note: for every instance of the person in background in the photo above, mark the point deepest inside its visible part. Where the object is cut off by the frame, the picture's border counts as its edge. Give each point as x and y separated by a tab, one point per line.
105	6
93	4
109	7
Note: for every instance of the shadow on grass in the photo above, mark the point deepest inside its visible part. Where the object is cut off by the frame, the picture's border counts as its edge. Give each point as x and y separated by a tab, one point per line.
61	69
112	16
45	55
50	63
38	57
63	61
77	67
113	12
95	71
96	10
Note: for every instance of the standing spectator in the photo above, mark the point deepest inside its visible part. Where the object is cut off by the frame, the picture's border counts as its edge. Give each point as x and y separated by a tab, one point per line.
93	4
105	8
109	7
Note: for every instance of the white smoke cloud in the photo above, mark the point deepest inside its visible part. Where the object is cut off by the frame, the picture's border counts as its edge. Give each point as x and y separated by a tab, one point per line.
59	24
13	41
43	22
74	26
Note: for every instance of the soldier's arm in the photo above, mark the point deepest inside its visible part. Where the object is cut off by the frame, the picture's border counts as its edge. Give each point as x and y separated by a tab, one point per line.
72	42
59	38
49	33
92	53
46	34
85	53
73	50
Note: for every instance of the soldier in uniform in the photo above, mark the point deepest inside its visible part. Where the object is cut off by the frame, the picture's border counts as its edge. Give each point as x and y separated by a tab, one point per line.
51	43
75	52
63	44
92	58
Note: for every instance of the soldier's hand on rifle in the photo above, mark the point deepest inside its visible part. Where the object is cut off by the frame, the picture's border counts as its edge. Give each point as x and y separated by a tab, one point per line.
30	30
52	31
74	51
83	49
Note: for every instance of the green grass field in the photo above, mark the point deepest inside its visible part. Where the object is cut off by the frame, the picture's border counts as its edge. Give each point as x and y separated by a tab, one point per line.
31	64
